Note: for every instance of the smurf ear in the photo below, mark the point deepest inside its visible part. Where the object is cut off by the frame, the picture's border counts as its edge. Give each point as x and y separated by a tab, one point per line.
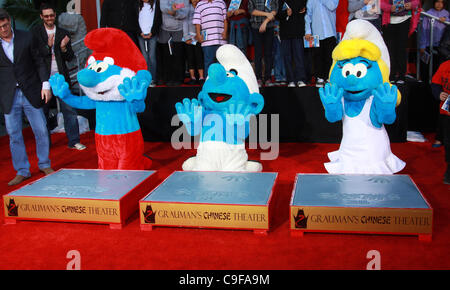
257	102
91	60
109	60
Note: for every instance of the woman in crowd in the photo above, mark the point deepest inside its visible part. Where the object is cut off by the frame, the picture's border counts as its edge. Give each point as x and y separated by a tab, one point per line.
399	20
193	48
149	24
171	46
239	25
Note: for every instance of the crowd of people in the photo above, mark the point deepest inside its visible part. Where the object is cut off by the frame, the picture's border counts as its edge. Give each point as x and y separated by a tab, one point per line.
290	42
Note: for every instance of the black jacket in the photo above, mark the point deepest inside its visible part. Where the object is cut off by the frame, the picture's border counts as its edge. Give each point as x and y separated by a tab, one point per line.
294	26
157	20
121	14
28	71
45	52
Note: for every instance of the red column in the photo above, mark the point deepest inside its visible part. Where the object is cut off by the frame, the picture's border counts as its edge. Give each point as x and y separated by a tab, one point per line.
89	12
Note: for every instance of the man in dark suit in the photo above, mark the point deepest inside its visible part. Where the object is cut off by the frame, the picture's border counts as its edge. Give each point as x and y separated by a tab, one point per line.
55	49
24	87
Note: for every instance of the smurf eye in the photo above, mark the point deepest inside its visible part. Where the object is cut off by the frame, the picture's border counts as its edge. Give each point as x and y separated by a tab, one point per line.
234	71
230	74
360	70
347	70
101	67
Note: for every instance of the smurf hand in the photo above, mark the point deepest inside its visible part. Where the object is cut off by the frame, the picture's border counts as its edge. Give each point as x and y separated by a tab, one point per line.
59	86
189	111
238	113
384	101
331	97
135	89
144	76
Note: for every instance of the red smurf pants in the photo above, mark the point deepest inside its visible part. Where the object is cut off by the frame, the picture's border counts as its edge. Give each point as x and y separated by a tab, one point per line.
124	151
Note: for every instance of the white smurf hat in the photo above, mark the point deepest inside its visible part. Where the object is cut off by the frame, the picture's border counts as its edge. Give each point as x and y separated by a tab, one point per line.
232	57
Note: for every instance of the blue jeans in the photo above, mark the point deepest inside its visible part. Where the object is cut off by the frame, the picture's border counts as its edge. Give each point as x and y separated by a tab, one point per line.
149	53
13	122
263	43
279	70
70	123
70	117
239	34
294	59
209	56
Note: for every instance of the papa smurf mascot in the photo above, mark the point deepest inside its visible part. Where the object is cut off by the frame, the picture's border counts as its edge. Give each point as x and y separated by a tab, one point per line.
359	94
221	114
115	82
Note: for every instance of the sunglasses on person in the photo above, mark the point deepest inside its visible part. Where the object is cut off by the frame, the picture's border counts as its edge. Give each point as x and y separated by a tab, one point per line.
48	16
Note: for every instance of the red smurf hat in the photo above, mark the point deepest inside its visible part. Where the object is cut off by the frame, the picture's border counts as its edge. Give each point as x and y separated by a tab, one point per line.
115	44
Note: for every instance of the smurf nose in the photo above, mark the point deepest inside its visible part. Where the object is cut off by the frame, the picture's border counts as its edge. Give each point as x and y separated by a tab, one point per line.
88	78
217	73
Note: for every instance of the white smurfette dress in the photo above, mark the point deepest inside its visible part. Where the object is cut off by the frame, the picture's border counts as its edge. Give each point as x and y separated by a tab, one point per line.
364	148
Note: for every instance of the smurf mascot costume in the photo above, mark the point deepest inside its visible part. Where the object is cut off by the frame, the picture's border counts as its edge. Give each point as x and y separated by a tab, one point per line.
115	82
221	114
359	94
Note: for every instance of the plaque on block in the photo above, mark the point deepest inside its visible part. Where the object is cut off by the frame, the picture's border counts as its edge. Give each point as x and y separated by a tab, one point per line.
384	204
230	200
79	195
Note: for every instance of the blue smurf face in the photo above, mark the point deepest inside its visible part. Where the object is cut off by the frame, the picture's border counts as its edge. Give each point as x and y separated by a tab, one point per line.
357	76
222	88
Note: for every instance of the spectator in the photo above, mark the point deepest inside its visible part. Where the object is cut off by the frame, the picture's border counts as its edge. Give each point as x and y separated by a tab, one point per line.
262	26
341	18
279	71
320	19
149	24
54	47
193	48
121	14
291	14
360	9
239	25
398	22
24	86
440	87
76	26
444	54
210	20
170	40
438	30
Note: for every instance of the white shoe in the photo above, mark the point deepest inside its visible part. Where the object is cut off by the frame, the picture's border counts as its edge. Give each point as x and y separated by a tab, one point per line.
320	83
78	146
291	85
301	84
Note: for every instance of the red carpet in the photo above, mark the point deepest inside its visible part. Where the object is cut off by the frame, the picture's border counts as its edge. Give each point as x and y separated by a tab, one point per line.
44	245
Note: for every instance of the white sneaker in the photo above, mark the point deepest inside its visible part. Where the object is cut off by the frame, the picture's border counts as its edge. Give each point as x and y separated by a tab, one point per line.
291	85
320	83
301	84
78	146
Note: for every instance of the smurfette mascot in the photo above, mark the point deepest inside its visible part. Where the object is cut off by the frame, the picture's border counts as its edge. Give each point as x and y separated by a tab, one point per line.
221	114
115	82
359	94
